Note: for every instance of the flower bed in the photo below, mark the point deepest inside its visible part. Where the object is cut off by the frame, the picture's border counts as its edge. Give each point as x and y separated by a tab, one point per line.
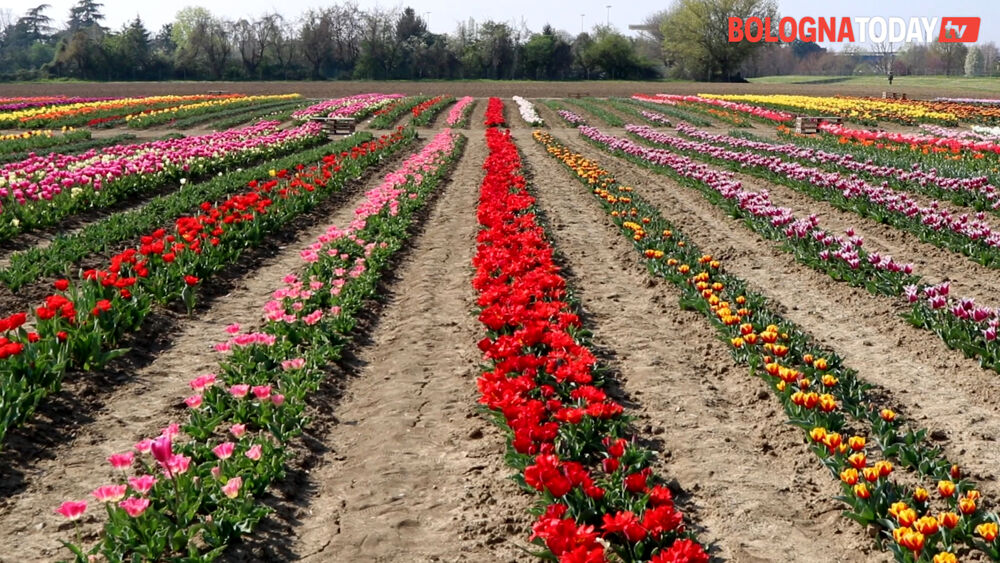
41	190
494	113
528	113
568	439
458	115
200	487
82	323
819	394
968	234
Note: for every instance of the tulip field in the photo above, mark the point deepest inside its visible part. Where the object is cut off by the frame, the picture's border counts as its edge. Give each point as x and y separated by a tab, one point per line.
636	327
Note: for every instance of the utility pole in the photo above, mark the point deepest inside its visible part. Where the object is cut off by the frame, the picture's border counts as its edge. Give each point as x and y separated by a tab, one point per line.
581	22
608	23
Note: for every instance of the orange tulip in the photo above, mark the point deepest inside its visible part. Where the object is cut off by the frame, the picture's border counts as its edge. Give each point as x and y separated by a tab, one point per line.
897	507
946	488
871	474
861	491
858	460
849	476
887	415
817	434
829	380
927	525
945	557
832	441
920	495
974	494
857	443
948	520
987	530
820	364
906	517
827	403
966	505
884	468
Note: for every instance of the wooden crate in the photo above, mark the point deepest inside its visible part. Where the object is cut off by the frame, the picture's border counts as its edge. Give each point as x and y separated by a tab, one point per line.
809	124
336	125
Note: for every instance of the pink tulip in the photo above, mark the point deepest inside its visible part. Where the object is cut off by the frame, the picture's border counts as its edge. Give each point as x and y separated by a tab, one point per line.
233	328
109	493
277	399
144	446
162	449
239	391
254	452
142	484
171	431
134	506
262	392
224	450
193	401
232	487
177	465
121	461
72	510
238	430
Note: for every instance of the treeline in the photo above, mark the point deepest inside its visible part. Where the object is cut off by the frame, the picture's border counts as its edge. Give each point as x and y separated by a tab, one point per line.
342	41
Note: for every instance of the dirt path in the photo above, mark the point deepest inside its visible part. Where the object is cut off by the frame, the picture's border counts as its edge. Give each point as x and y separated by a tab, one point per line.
149	400
435	488
928	383
752	484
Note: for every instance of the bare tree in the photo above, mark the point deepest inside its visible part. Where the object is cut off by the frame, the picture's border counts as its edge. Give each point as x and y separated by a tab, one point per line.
252	40
883	55
316	38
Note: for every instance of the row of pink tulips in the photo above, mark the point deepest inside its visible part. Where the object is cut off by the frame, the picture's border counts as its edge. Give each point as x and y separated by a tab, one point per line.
198	487
968	233
977	186
457	112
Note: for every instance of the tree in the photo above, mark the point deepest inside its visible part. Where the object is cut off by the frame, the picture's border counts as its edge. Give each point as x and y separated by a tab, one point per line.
991	57
86	14
952	56
696	35
316	39
613	53
252	40
883	57
974	62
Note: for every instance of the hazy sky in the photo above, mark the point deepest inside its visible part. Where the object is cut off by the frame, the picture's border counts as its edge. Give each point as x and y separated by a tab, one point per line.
443	17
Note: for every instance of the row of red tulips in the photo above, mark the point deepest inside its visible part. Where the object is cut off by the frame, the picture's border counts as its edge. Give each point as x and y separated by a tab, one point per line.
494	113
568	440
82	323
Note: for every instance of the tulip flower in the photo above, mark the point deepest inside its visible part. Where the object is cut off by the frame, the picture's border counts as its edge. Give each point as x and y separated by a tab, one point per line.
72	510
134	506
232	487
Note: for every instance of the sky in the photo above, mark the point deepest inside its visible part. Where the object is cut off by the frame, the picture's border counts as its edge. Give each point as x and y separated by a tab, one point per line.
443	16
